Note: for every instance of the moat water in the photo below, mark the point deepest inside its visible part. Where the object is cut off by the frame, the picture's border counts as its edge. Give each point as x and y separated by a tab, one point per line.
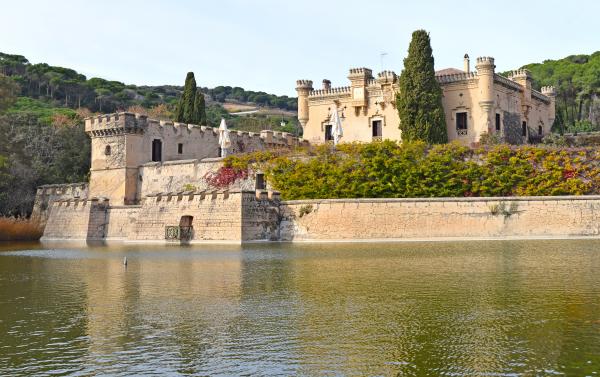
498	308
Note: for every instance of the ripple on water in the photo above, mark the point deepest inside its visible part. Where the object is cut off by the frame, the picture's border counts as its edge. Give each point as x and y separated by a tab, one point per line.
454	309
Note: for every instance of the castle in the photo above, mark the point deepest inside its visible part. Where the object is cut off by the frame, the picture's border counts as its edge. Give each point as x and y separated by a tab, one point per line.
148	178
148	182
475	103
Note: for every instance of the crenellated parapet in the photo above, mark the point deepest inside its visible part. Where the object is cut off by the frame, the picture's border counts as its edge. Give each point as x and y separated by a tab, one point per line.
456	77
485	61
124	123
386	77
330	92
548	91
115	124
520	74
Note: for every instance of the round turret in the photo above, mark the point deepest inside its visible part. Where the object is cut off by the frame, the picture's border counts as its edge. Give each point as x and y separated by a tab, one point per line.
303	88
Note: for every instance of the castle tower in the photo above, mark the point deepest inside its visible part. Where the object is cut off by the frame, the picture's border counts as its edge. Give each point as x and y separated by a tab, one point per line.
485	71
303	88
550	92
359	78
523	78
116	146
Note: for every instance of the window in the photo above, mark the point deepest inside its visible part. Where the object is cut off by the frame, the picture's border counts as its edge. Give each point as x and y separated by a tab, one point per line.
260	181
180	148
524	130
107	150
540	130
377	130
328	135
461	123
156	150
497	122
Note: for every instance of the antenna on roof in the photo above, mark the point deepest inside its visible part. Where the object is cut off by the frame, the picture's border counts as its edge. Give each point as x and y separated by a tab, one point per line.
381	56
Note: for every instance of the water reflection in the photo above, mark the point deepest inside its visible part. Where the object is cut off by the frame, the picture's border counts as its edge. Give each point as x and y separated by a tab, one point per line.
485	308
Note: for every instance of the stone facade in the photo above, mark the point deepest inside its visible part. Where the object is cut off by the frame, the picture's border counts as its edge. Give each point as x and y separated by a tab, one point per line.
474	103
124	144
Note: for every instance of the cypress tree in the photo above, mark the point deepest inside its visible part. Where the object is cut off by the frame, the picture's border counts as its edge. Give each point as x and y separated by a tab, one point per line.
419	100
199	108
185	108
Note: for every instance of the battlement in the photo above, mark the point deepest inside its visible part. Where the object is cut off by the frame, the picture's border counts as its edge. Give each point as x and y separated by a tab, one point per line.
456	77
549	91
385	77
519	74
304	84
485	60
330	92
176	198
360	73
120	123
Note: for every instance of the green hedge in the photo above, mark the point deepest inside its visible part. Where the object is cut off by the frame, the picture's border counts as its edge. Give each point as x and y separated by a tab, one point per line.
392	170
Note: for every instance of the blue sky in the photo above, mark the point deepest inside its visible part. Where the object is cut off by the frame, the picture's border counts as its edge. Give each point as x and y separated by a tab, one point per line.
266	45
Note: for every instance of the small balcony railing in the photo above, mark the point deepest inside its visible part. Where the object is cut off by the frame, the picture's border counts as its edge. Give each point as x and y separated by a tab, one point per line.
178	233
377	138
461	131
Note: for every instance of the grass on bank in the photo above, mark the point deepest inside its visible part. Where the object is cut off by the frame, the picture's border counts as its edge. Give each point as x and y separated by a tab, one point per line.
17	229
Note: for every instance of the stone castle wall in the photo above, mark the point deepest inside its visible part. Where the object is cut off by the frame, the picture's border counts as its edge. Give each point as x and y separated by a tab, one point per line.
46	195
77	220
245	216
225	216
431	218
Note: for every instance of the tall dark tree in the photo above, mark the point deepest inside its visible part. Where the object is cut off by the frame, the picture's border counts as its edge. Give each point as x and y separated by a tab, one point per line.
185	108
199	108
419	99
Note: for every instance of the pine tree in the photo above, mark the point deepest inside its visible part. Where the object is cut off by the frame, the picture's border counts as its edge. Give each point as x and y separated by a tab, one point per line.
185	108
200	108
419	100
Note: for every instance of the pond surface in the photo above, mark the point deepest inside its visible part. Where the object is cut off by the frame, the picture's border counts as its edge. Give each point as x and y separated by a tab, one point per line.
498	308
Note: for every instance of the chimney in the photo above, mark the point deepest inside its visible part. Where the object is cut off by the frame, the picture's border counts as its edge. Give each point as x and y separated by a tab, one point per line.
467	64
326	84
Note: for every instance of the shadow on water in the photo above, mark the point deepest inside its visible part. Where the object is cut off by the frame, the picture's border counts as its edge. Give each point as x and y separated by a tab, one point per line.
460	308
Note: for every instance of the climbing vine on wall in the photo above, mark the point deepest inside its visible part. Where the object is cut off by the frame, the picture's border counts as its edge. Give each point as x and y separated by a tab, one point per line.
389	169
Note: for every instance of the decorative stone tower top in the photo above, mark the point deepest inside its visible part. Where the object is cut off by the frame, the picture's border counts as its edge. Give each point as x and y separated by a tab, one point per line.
303	88
549	91
467	64
485	64
386	77
326	84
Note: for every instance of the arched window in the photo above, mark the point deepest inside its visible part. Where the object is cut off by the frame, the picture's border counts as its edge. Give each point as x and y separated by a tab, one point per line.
107	150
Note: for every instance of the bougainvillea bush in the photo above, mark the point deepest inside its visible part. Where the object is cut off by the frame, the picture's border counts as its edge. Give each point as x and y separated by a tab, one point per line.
392	170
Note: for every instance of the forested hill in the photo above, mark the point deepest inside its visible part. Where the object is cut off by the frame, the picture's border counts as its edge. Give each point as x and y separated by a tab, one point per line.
577	80
66	87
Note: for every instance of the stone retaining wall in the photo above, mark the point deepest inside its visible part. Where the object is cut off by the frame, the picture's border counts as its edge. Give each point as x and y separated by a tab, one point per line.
433	218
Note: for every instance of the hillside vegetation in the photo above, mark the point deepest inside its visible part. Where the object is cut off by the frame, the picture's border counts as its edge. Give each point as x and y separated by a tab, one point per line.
577	80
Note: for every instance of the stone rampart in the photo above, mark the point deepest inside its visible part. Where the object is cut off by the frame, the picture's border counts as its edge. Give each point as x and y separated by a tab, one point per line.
46	195
443	218
77	219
